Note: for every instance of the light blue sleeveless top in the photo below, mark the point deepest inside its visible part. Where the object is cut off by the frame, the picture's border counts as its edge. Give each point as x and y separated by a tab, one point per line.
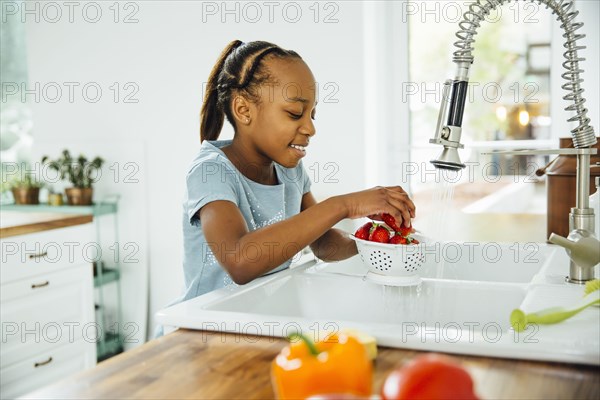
213	177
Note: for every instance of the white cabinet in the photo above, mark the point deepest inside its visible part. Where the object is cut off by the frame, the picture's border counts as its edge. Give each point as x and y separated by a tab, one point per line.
46	308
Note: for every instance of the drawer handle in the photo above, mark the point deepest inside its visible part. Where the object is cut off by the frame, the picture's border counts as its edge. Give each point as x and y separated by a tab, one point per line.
39	285
44	254
41	364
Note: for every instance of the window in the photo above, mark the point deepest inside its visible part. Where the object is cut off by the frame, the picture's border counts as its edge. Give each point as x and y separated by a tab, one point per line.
508	106
15	115
15	123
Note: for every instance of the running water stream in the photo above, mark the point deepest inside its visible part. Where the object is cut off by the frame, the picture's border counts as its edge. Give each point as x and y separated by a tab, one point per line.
402	300
438	229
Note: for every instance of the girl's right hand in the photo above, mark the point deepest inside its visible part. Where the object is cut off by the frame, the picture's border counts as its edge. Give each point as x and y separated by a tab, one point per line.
392	200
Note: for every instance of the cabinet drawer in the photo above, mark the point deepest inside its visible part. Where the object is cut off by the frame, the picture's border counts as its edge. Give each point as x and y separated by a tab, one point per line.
46	311
45	368
29	255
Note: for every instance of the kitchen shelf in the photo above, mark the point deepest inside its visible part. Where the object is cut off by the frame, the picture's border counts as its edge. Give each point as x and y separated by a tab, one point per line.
106	276
110	345
95	209
112	342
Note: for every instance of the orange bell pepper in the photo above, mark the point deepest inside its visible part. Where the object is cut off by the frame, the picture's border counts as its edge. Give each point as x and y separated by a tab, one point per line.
339	364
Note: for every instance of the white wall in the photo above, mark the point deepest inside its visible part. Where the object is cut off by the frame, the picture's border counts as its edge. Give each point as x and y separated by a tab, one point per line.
387	123
168	55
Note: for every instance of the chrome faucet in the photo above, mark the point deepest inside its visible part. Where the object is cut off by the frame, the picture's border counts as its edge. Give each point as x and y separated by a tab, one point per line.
581	244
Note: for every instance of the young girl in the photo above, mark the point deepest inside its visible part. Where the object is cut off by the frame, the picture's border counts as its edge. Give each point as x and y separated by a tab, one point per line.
248	208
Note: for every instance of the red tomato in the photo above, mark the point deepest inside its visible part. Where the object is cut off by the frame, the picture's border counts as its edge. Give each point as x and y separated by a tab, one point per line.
431	376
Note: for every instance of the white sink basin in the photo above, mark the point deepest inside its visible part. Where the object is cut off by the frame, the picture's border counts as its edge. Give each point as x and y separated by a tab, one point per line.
462	305
331	298
492	262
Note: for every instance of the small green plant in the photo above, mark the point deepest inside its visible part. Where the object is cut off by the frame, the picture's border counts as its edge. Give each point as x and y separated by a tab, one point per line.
79	171
27	182
19	178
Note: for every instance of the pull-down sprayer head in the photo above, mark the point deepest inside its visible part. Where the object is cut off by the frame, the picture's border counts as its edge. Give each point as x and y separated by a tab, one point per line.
449	124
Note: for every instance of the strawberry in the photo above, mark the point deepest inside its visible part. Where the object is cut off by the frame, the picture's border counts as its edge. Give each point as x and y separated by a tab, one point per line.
404	231
414	241
380	234
390	221
398	239
364	231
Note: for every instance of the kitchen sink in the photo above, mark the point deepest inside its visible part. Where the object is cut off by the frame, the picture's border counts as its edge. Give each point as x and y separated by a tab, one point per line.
461	306
330	298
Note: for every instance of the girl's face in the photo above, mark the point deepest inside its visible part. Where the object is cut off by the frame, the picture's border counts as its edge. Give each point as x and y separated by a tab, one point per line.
283	124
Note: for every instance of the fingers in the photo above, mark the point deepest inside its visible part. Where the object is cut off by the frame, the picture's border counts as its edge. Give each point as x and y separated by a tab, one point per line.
403	211
395	189
400	200
398	192
373	202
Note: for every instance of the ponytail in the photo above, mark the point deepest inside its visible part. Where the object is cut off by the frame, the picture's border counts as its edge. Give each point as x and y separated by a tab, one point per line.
237	69
211	115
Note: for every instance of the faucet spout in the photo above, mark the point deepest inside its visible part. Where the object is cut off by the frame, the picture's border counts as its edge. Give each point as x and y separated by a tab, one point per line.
583	250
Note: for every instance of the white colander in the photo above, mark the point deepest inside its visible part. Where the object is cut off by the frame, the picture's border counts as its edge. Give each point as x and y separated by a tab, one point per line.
392	264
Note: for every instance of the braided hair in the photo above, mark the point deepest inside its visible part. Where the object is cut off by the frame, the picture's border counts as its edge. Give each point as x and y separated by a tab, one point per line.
239	70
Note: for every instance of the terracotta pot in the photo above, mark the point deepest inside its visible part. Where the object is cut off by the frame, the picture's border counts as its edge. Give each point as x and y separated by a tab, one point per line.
79	196
562	187
26	195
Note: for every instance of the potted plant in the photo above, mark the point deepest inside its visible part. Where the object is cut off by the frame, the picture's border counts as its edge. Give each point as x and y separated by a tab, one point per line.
26	190
54	199
80	172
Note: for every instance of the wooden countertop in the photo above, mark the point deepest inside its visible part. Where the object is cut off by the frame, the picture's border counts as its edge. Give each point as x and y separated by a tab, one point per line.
13	223
206	365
